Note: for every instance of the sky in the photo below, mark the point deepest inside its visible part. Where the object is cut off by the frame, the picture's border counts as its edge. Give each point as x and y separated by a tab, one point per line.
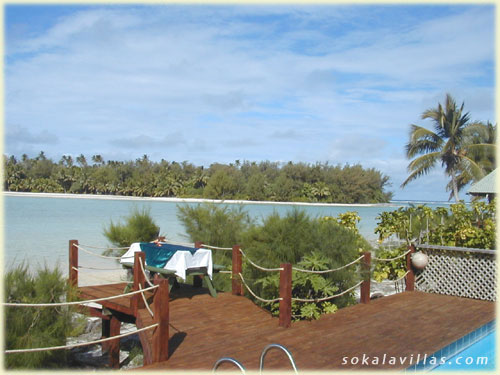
217	83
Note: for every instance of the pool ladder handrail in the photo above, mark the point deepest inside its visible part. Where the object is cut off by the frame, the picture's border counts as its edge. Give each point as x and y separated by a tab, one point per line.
231	360
261	362
277	346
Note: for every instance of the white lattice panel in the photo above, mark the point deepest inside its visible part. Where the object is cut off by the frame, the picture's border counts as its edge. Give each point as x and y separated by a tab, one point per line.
457	273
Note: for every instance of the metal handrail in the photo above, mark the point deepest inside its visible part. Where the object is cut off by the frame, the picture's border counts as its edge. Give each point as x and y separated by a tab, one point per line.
278	346
231	360
453	248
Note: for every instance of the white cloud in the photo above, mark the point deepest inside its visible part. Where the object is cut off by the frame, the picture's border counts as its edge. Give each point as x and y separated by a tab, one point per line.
285	82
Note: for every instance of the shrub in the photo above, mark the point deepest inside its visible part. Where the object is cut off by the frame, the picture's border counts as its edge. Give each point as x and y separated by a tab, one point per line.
213	224
216	225
295	237
309	243
32	327
460	226
139	226
306	286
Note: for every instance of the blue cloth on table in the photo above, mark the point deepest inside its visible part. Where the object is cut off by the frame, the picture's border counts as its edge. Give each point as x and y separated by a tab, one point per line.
158	256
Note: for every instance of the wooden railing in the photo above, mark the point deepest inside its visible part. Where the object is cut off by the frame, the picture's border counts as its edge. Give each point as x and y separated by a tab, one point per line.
285	288
111	324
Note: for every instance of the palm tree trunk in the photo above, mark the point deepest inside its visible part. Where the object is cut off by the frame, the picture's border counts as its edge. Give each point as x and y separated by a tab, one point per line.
454	187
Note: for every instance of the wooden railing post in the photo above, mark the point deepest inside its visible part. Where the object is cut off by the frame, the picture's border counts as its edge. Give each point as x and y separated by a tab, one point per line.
285	319
410	278
136	301
237	268
73	262
161	316
365	274
114	345
198	279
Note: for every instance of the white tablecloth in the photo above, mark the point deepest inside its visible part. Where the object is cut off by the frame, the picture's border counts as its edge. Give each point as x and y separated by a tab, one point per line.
180	261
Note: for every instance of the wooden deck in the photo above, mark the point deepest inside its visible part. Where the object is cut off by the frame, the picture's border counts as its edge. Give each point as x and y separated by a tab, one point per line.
121	304
204	329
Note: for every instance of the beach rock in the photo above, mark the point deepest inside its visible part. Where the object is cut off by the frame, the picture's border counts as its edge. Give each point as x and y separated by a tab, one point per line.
377	295
137	361
92	357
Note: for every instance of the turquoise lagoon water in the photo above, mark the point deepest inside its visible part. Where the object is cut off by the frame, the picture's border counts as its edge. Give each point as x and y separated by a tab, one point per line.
37	229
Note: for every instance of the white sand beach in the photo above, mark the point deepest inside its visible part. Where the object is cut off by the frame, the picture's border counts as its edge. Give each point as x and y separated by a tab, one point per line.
101	277
188	200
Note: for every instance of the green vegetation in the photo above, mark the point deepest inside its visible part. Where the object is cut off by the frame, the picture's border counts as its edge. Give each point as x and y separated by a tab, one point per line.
216	225
139	226
459	226
248	180
465	149
295	238
32	327
306	286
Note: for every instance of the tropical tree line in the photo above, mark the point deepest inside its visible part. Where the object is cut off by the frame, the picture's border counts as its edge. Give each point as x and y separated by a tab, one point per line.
465	149
270	181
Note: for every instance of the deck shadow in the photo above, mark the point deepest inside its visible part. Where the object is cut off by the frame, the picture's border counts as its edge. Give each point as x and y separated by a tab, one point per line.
187	291
175	341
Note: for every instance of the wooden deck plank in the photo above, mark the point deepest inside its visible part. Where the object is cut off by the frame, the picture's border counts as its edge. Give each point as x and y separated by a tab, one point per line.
204	329
405	324
121	304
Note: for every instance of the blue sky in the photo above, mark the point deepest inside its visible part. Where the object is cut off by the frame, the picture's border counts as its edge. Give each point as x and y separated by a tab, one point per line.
332	83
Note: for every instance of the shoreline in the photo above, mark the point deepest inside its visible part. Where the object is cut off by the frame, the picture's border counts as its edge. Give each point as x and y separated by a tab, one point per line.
189	200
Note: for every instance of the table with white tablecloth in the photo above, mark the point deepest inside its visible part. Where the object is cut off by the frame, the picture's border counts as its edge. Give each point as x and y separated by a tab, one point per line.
180	262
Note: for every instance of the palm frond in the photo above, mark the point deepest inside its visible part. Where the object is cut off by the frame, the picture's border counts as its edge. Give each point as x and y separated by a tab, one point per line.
421	165
422	141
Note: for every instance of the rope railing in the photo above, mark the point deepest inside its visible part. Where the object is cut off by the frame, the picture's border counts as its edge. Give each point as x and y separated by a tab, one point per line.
81	344
391	259
105	248
331	270
107	282
180	243
327	298
259	267
94	254
97	269
144	273
146	302
256	296
100	278
217	248
77	302
398	279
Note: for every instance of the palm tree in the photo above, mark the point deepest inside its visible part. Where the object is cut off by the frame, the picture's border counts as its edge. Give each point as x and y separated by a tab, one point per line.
450	142
482	149
97	159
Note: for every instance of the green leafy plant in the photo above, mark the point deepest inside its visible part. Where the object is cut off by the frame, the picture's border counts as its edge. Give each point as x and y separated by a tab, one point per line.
391	270
32	327
460	226
305	286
